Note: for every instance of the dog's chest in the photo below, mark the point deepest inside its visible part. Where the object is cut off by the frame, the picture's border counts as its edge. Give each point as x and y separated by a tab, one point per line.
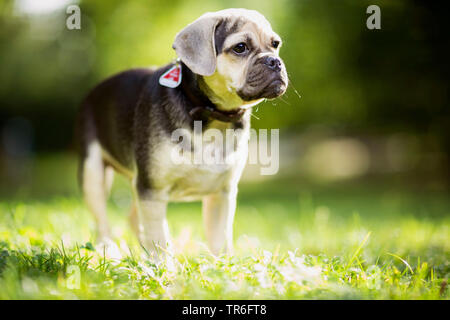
196	168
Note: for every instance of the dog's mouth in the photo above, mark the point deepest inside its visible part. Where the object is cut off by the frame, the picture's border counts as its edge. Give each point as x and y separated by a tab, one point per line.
271	89
274	89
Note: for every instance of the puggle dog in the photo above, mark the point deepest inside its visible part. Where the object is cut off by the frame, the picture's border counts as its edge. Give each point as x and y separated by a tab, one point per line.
228	61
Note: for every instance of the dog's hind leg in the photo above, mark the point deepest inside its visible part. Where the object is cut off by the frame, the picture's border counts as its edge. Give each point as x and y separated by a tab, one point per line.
94	184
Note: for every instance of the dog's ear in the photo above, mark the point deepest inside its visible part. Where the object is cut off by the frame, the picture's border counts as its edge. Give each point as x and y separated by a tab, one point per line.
195	45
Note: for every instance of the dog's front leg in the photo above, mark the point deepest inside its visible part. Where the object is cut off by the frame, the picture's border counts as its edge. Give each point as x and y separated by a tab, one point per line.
218	216
154	230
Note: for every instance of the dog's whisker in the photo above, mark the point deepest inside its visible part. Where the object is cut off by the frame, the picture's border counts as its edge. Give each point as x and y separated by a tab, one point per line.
254	116
285	101
295	90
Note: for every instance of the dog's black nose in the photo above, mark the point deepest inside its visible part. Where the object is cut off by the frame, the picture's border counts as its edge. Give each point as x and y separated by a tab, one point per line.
273	63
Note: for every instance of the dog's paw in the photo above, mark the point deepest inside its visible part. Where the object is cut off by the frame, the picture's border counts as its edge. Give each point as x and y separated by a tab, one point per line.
169	262
109	249
162	258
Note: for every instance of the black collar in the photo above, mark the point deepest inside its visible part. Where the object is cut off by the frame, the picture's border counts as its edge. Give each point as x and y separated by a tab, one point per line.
201	107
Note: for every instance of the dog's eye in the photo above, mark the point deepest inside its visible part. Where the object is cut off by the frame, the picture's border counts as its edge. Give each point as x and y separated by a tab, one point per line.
240	48
275	43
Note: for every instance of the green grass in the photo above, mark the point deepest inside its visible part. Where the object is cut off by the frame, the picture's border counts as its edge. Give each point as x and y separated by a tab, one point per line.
354	240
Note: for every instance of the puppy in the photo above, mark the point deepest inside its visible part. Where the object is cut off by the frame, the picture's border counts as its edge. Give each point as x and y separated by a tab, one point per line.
228	62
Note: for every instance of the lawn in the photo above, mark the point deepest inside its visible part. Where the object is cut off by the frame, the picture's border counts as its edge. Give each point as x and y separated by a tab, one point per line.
293	240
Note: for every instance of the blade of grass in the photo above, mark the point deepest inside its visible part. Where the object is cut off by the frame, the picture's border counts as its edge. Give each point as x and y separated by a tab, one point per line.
402	260
355	254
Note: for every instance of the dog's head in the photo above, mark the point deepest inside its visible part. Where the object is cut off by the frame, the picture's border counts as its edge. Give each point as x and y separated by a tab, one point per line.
236	53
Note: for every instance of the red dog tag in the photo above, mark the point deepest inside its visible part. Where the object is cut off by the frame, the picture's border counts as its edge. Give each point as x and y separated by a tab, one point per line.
172	77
